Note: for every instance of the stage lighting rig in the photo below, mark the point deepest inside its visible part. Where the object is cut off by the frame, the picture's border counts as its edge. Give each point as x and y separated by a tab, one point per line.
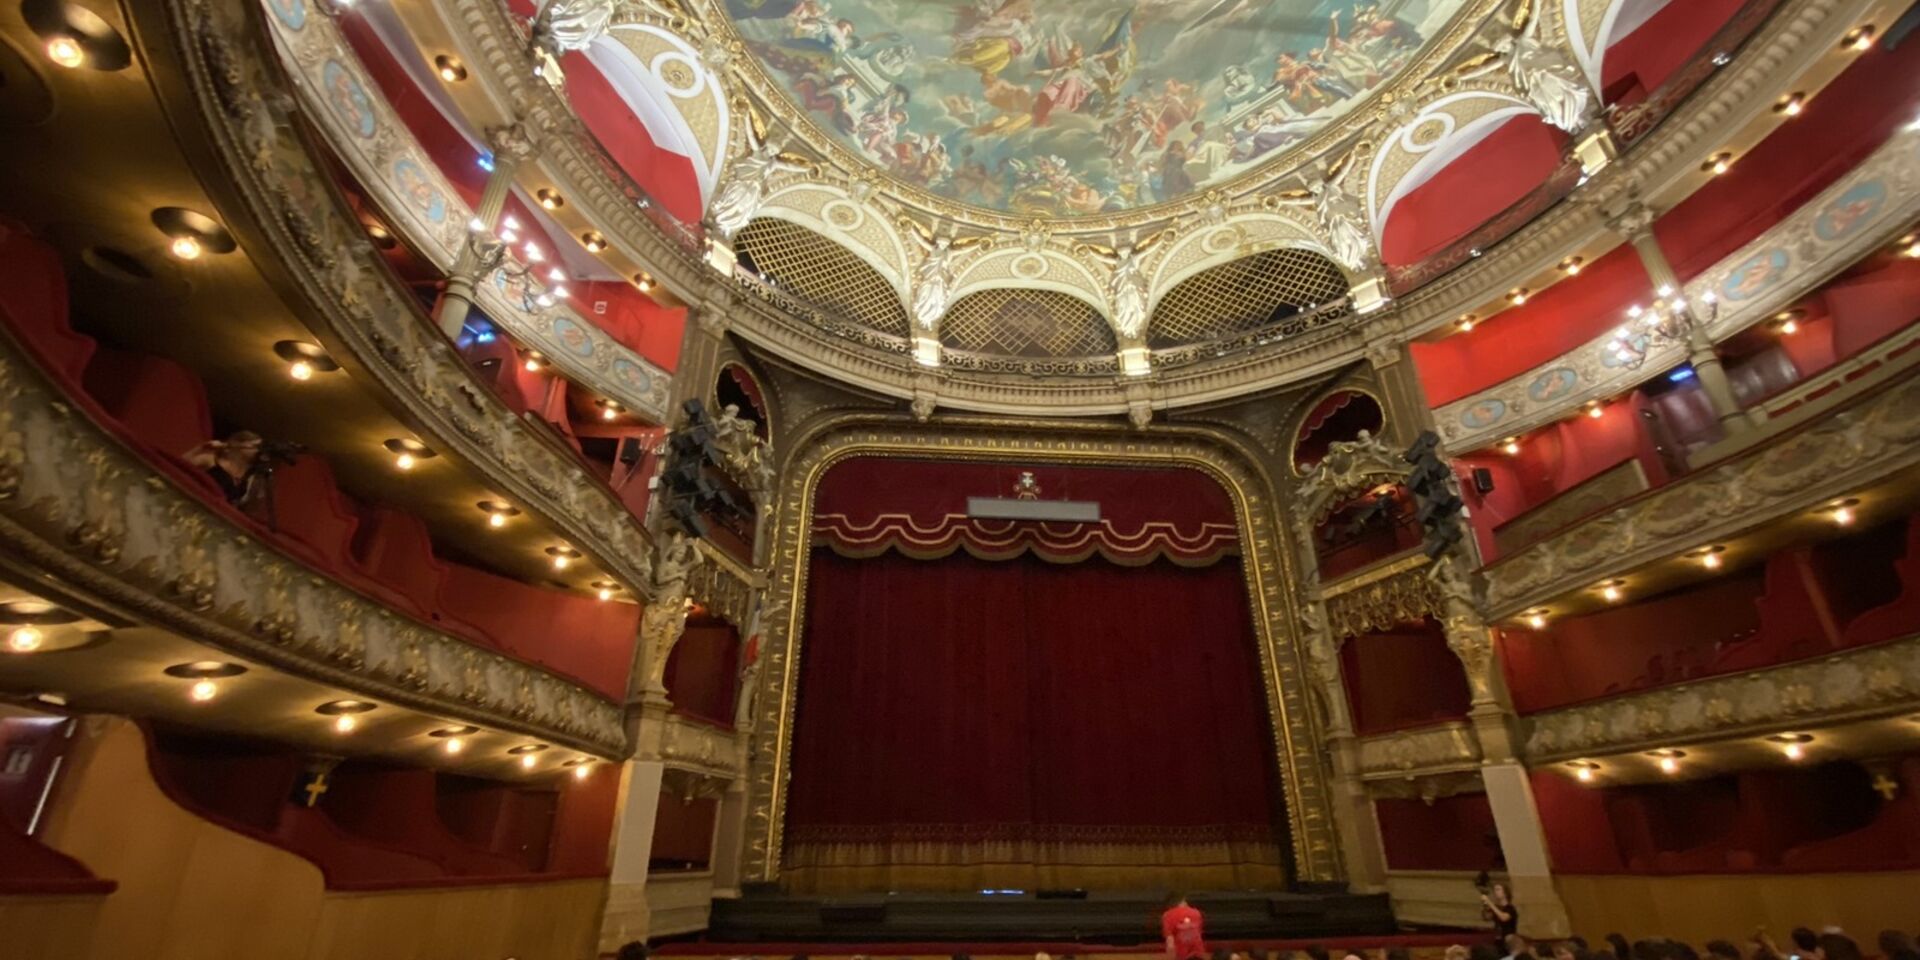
1439	507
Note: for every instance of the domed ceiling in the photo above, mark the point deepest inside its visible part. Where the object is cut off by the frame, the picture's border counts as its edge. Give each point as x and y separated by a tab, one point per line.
1062	109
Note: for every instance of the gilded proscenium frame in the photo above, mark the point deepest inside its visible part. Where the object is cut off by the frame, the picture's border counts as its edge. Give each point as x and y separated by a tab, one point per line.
1265	563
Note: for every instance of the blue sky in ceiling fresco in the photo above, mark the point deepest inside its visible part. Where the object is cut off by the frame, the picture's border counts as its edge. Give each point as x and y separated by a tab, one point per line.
1074	107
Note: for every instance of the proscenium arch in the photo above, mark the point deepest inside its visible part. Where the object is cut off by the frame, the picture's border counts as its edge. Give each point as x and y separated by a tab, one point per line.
1265	567
1479	113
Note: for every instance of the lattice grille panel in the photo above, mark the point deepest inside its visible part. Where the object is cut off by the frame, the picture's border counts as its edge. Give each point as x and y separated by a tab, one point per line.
1243	295
818	270
1026	323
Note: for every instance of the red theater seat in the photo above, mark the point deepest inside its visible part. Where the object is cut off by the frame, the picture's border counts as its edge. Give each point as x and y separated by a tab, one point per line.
34	305
575	636
396	808
310	510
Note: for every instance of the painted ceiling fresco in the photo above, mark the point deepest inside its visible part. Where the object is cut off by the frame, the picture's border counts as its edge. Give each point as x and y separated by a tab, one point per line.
1074	107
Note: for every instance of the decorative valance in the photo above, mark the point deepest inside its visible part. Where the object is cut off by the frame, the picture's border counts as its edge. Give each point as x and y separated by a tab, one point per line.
867	507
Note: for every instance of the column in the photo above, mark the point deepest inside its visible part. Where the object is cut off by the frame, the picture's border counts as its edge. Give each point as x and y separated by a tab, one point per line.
1401	397
511	147
1530	876
729	839
627	916
1364	854
1636	224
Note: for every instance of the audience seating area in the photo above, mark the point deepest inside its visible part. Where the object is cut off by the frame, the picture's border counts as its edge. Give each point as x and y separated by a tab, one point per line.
382	827
159	409
1804	602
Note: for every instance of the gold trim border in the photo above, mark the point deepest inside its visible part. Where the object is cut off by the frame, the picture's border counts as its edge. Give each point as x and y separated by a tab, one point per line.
1265	565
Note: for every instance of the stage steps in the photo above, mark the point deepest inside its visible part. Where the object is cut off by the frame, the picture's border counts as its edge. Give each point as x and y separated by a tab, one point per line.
1108	918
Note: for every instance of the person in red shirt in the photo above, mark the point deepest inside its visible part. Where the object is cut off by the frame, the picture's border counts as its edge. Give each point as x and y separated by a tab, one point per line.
1181	926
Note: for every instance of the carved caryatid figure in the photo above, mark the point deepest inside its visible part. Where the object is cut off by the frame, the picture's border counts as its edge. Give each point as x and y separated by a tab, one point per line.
1127	282
1547	78
933	278
1342	219
748	179
564	25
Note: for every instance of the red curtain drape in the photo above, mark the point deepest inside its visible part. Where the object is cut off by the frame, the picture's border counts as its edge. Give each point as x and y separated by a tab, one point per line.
1093	724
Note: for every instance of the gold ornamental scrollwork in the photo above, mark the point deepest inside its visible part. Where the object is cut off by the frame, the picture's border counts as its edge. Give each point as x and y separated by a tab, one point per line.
1383	604
1265	561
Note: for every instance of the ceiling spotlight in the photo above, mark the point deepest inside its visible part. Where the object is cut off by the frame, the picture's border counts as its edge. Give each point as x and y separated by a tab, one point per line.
535	360
1842	511
1793	745
1790	105
1710	557
191	234
1510	446
1910	246
66	51
1518	295
203	673
344	713
582	770
562	556
1571	266
1584	770
455	745
1858	39
454	738
594	241
1787	322
1716	165
25	639
605	589
609	409
642	281
1611	591
1669	759
1537	618
407	453
498	513
1596	410
450	68
551	199
304	359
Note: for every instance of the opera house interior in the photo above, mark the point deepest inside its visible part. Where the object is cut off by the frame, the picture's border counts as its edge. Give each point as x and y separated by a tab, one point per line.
725	479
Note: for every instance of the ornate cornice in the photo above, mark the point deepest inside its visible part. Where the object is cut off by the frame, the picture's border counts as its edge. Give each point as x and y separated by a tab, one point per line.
1865	209
1826	453
1791	38
1384	603
425	209
832	437
1868	682
77	504
690	745
1416	753
273	193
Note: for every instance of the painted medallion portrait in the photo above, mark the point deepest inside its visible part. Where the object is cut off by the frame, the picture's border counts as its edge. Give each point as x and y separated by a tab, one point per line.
1056	108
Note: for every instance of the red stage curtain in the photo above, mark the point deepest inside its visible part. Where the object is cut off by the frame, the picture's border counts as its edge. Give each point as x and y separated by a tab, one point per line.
965	723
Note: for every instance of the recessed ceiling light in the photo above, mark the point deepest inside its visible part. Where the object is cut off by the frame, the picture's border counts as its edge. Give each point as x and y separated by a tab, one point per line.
562	556
191	234
1790	105
407	453
74	36
449	68
1717	164
1571	266
1858	39
594	241
550	198
498	513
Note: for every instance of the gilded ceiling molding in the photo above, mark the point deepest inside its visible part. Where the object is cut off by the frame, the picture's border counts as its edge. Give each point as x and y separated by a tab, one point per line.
1430	139
1847	685
300	233
1862	211
78	504
336	94
1407	754
660	55
1227	237
1770	62
832	438
1033	268
1433	62
497	51
1830	453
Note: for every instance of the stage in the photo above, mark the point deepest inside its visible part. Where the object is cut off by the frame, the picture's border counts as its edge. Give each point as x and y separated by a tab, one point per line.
1118	919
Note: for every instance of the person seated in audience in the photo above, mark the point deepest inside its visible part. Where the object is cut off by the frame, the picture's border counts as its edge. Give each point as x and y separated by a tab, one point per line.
1723	950
230	463
1895	945
1483	951
1572	948
1518	948
1834	945
632	950
1457	951
1621	949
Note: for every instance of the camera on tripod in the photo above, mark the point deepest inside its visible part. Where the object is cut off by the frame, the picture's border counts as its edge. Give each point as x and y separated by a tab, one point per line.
277	453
